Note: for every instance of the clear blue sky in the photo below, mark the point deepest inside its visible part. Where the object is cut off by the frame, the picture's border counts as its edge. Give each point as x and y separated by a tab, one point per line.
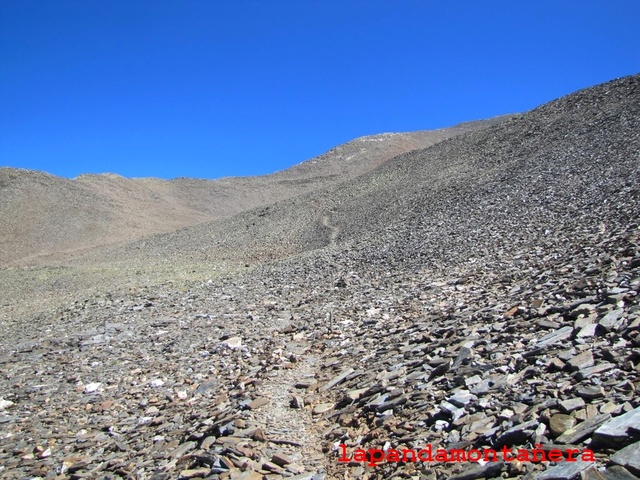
210	88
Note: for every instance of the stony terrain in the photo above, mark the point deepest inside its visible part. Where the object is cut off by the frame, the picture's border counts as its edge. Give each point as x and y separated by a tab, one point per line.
47	219
481	293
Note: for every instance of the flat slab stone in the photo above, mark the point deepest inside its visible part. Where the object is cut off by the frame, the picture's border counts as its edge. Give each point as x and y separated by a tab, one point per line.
402	399
517	434
564	471
572	404
489	470
617	430
589	371
453	411
462	398
233	342
193	473
591	473
257	403
628	457
337	379
590	392
583	430
587	330
582	360
612	320
554	337
618	473
322	408
560	423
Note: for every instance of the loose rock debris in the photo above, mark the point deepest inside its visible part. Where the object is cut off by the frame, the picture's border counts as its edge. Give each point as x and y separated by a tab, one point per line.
175	391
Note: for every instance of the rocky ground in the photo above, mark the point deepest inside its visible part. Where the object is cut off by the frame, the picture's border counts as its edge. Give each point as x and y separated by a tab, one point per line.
492	304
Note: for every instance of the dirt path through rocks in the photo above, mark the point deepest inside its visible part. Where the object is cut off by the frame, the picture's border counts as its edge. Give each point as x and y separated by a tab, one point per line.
335	231
291	429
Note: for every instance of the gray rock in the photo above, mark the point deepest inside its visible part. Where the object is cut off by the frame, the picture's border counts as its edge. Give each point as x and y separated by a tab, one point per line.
571	404
516	435
489	470
628	457
618	473
595	370
588	330
583	429
581	361
564	471
337	379
462	398
612	320
554	337
453	411
616	430
590	392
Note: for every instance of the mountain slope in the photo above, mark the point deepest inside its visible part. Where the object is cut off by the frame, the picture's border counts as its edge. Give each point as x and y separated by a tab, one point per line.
564	162
44	216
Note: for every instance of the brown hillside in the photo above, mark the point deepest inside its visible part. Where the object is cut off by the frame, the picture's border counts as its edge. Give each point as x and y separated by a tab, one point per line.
45	218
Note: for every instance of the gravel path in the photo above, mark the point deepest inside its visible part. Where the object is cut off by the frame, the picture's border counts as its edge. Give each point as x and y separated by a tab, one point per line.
295	425
335	231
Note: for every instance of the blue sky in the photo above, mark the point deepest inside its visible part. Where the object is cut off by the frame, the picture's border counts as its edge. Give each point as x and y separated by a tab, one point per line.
211	88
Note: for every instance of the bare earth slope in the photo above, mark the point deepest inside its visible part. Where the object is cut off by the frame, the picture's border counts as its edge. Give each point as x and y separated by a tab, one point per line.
522	177
479	295
45	218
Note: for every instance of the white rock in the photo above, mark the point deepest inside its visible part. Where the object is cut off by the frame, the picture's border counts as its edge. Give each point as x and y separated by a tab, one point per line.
5	403
91	387
506	414
233	342
45	454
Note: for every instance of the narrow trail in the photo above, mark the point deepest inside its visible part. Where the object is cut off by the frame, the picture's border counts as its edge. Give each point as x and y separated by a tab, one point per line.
335	231
283	423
